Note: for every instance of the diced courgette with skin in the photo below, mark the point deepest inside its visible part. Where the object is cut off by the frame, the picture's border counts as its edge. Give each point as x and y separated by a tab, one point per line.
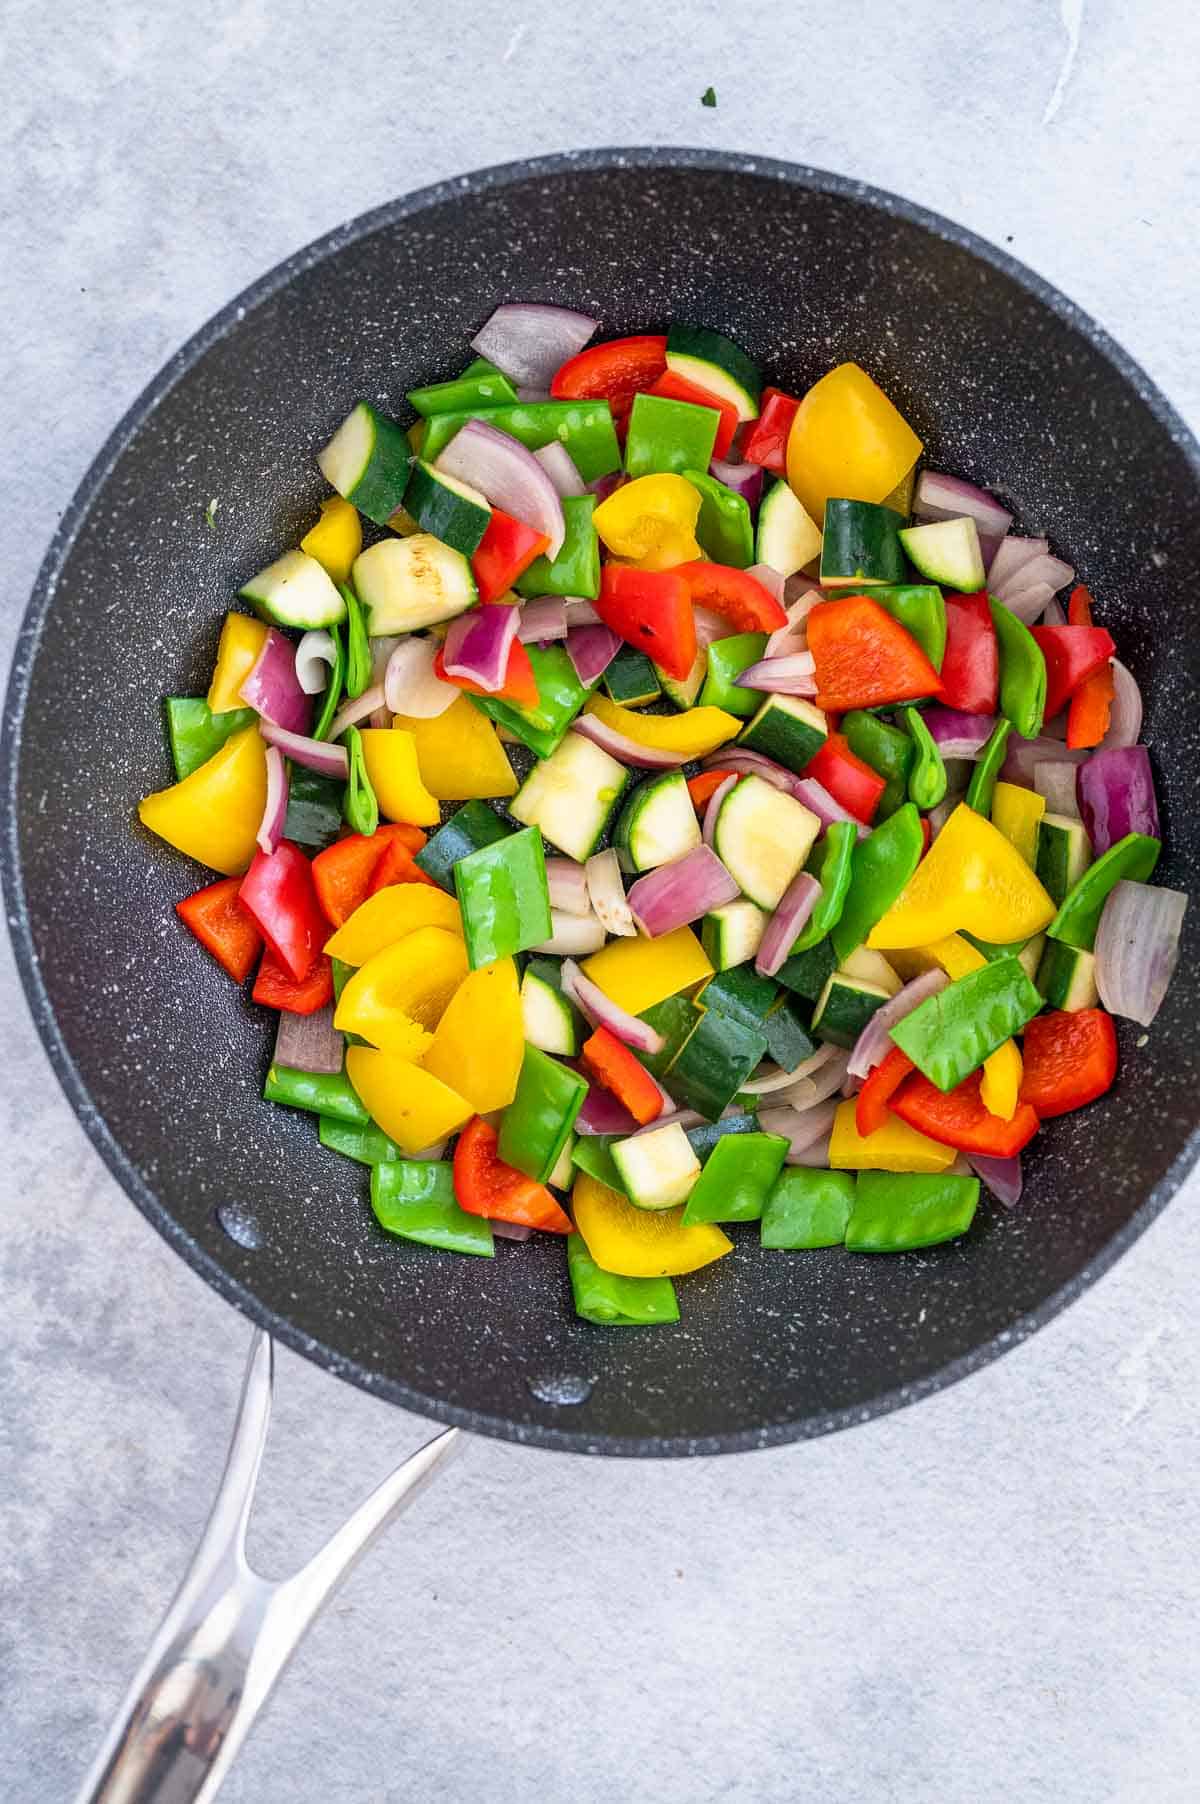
788	1039
451	510
1064	853
473	826
684	690
714	1062
702	1140
844	1007
872	967
630	679
787	537
571	796
367	461
763	838
732	933
786	729
806	973
1066	977
742	993
658	1169
947	552
657	822
563	1175
413	582
714	363
673	1018
861	545
551	1021
295	591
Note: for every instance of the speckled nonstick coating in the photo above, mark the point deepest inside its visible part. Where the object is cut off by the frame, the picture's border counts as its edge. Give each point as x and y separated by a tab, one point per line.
163	1058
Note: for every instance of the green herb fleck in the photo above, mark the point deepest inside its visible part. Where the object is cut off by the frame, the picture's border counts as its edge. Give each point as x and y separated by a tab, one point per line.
210	513
709	97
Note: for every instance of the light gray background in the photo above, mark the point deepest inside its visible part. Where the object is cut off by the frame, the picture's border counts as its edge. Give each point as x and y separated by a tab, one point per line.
991	1596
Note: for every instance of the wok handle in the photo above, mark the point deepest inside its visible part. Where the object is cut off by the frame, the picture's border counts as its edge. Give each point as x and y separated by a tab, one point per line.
229	1632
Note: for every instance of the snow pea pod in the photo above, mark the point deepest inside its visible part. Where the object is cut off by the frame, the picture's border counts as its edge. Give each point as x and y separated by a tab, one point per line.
1076	922
617	1302
837	868
927	773
415	1199
982	786
882	865
808	1208
1022	672
334	687
895	1213
360	810
951	1034
886	749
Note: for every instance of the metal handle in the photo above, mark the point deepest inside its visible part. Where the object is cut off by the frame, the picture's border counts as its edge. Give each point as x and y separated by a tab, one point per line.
229	1632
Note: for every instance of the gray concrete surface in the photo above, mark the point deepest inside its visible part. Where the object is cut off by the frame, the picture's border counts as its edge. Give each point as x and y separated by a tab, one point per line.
989	1597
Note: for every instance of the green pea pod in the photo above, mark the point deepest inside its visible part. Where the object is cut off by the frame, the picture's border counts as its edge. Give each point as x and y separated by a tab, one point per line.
576	569
360	810
196	734
318	1091
1133	857
539	1119
983	778
737	1179
334	687
927	773
837	868
950	1035
886	749
920	610
415	1199
883	864
584	427
723	529
725	661
617	1302
1022	672
560	697
808	1208
895	1212
358	646
369	1145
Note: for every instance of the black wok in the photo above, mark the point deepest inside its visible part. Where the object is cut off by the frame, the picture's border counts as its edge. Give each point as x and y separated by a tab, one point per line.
163	1059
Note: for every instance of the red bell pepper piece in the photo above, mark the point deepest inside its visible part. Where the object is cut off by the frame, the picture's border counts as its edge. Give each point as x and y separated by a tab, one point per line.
612	1064
847	778
874	1099
342	874
614	372
1090	708
274	988
396	865
704	785
1072	654
520	684
485	1185
222	926
766	442
864	658
971	664
677	388
652	610
735	595
1070	1058
278	890
505	551
926	835
958	1118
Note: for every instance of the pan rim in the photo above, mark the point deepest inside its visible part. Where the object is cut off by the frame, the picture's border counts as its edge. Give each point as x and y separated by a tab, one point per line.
233	1289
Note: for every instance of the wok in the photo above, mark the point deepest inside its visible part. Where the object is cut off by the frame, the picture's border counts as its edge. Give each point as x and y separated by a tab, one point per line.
1008	384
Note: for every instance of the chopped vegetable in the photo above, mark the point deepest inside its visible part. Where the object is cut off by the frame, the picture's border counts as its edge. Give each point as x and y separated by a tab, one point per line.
897	1214
864	658
1070	1060
485	1185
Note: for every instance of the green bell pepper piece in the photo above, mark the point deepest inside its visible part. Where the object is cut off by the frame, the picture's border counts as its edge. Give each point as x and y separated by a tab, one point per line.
806	973
415	1199
480	385
617	1302
807	1208
333	688
538	1121
360	810
314	810
591	1154
709	1135
1133	857
982	786
369	1145
320	1092
886	749
927	774
674	1018
883	864
669	435
723	529
504	898
950	1035
786	1033
469	828
737	1179
835	855
358	646
576	569
584	427
725	661
560	697
196	734
895	1212
1022	672
921	611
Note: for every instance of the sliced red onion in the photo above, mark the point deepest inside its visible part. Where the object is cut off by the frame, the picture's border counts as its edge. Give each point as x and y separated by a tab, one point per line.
1115	790
1056	727
309	1042
1125	719
510	476
601	1011
315	658
411	685
745	480
794	636
571	936
1137	948
1043	568
622	748
1029	604
543	620
775	1079
937	817
529	340
807	1092
793	675
591	650
567	883
1024	755
606	893
510	1230
802	1131
314	754
1054	778
556	460
603	486
1054	614
435	1150
1002	1176
681	892
603	1114
580	611
357	709
787	923
751	764
815	1155
948	498
272	687
713	808
478	644
956	734
770	578
684	1118
816	797
275	807
1013	554
874	1042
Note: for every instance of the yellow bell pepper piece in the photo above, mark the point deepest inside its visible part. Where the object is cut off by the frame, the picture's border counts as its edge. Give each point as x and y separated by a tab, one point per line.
1000	1086
690	735
458	754
398	997
214	815
237	651
391	760
635	974
848	439
336	539
1017	813
893	1147
641	1243
955	955
972	878
480	1040
390	914
413	1107
651	521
